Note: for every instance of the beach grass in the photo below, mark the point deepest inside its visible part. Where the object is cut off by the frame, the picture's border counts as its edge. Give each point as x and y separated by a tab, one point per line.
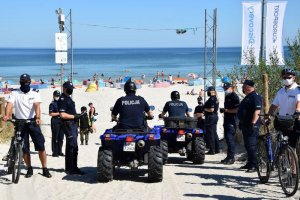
7	132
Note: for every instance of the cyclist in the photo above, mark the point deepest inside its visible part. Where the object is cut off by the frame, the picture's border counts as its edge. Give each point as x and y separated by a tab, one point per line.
287	98
26	103
130	109
175	108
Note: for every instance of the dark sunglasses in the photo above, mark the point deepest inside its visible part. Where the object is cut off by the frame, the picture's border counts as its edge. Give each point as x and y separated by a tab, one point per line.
287	77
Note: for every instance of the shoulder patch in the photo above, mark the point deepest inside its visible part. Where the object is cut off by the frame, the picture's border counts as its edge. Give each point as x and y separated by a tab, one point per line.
35	90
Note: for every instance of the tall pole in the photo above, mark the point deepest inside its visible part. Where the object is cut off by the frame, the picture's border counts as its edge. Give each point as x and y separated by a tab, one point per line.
205	46
214	70
262	44
61	67
71	33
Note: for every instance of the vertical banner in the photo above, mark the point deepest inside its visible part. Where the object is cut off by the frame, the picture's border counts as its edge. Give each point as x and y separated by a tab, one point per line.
251	32
274	30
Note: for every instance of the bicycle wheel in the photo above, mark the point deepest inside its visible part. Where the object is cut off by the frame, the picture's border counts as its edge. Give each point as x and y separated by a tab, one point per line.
263	163
288	171
18	156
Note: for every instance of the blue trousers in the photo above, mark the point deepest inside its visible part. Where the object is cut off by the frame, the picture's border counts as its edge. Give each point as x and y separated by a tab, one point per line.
229	132
71	132
57	136
250	142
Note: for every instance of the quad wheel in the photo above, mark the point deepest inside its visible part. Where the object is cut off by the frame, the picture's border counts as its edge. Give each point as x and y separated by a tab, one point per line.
105	166
155	164
164	147
198	156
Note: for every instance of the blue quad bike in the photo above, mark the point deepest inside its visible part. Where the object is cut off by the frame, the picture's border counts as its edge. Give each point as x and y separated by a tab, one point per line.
181	135
132	148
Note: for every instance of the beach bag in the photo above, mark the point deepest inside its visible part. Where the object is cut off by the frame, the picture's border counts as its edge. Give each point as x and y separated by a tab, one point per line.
284	123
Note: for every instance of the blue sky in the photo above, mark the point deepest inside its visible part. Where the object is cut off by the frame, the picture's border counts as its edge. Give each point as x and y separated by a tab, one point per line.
32	23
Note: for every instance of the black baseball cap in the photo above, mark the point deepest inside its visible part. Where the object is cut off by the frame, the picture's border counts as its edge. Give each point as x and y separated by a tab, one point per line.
226	85
249	83
25	78
68	85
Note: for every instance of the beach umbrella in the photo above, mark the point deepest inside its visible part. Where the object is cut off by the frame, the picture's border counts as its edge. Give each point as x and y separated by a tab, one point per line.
192	75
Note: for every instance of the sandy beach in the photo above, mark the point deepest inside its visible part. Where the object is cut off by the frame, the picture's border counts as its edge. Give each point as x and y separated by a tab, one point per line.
181	179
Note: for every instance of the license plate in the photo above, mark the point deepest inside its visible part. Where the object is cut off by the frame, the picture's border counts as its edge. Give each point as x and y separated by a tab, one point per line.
180	138
129	146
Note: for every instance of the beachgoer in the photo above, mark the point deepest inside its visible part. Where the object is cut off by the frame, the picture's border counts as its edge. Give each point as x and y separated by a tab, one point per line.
26	103
175	107
248	114
199	113
57	133
67	112
84	127
131	109
211	108
231	105
92	116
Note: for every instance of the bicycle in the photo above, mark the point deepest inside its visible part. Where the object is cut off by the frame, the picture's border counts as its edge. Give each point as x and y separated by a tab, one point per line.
15	154
283	158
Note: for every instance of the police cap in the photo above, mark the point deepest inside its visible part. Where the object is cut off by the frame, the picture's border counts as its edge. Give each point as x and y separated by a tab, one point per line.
25	78
211	88
68	85
226	85
249	83
56	93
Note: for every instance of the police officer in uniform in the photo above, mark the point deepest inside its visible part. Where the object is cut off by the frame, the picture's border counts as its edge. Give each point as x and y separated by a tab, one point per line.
131	109
231	105
199	113
248	115
57	134
211	108
175	107
26	103
67	112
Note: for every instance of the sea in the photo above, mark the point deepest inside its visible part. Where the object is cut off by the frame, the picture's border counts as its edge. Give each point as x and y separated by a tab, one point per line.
114	62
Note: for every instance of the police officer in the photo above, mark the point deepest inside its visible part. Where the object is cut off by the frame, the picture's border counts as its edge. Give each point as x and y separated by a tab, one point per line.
231	105
175	108
288	99
199	113
131	109
211	108
57	134
26	103
67	112
248	114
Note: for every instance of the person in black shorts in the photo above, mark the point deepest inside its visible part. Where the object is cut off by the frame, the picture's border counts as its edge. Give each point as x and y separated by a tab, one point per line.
131	109
175	107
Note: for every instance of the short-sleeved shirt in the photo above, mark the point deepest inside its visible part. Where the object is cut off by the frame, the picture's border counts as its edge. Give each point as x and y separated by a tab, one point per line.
176	108
53	107
232	101
24	103
287	99
212	102
131	109
66	104
248	106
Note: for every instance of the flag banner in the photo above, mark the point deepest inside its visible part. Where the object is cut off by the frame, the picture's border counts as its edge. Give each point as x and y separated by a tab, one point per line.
274	30
251	32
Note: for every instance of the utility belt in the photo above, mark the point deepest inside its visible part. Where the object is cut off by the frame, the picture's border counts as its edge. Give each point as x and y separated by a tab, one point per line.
210	113
56	117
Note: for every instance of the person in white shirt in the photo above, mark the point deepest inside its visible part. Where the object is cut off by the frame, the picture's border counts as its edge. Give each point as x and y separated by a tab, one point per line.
27	106
288	100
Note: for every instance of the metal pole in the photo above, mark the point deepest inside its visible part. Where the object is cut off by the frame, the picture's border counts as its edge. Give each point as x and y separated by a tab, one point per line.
214	70
71	33
262	44
61	65
205	43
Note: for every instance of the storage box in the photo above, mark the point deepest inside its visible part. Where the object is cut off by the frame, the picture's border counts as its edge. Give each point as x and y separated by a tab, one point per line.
180	122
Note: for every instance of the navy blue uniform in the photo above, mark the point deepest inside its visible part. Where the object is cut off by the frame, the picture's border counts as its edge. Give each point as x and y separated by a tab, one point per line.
69	127
248	106
57	134
176	108
131	109
232	101
211	120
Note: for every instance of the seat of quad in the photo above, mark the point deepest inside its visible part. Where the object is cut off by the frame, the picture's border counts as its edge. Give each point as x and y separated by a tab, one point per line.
130	131
180	122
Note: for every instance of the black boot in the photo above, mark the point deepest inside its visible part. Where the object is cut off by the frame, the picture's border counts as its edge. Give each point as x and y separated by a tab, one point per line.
29	172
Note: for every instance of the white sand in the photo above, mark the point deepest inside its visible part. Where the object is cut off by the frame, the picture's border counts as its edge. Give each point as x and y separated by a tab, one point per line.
182	180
